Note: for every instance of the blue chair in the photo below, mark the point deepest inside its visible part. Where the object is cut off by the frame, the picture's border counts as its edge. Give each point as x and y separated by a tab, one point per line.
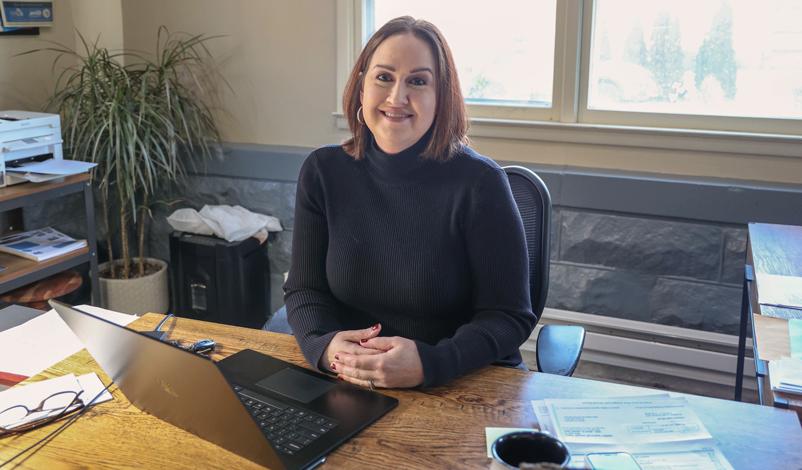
558	346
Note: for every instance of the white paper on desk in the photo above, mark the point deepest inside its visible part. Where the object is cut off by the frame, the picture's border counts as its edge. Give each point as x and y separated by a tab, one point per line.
694	457
546	423
634	420
31	395
54	166
16	178
677	455
93	388
779	291
786	375
39	343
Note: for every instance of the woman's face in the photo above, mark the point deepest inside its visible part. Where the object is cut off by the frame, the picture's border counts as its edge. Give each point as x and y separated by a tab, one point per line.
398	92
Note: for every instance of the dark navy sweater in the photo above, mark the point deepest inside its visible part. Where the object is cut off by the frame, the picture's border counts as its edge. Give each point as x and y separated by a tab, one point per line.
434	251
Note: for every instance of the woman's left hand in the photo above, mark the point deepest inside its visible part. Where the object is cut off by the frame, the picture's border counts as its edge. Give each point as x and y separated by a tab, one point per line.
399	366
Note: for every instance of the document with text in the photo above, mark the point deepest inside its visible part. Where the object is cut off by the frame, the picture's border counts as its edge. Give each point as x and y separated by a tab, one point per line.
660	431
630	419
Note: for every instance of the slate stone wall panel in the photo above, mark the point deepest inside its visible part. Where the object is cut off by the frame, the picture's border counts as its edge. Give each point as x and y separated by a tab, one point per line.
650	246
732	271
609	292
689	304
554	234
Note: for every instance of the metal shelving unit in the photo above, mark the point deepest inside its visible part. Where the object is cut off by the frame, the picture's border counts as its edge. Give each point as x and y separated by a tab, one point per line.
21	271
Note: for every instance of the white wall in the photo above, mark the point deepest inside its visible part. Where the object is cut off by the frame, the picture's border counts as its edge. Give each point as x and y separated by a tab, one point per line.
27	81
278	57
99	20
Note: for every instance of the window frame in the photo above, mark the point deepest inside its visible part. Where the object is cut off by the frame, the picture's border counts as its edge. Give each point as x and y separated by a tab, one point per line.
568	119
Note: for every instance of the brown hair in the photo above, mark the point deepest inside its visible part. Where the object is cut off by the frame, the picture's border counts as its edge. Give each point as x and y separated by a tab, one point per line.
450	126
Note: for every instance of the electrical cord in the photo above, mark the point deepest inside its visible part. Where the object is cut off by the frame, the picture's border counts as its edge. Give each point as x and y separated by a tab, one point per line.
161	323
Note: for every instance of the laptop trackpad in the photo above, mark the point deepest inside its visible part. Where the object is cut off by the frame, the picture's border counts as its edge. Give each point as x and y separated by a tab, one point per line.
295	385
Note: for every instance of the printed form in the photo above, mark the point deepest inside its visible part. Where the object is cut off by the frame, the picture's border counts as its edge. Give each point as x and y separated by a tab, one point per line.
661	432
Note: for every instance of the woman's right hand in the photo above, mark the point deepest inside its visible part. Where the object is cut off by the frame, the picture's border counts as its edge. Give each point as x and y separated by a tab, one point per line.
349	341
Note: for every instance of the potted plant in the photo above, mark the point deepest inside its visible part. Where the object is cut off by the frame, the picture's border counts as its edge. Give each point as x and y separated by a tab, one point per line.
144	122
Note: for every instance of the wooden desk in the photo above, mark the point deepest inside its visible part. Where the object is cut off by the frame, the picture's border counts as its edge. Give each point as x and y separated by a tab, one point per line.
438	428
772	250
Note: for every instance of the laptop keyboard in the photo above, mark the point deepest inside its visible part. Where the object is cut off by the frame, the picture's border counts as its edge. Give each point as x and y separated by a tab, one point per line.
288	428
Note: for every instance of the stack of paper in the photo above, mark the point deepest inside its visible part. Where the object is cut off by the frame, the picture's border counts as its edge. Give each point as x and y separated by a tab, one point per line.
660	431
40	245
38	172
32	395
779	296
786	375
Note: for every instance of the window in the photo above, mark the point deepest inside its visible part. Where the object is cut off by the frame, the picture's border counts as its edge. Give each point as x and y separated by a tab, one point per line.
504	56
731	65
723	58
718	65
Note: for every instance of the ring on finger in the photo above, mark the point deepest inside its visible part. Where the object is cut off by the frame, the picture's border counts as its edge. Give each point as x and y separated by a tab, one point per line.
370	385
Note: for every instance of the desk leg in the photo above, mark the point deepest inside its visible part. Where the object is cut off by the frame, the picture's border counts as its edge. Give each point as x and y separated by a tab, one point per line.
89	201
760	383
739	371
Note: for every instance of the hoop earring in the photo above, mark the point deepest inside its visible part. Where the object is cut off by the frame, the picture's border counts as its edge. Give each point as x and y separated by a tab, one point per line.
357	116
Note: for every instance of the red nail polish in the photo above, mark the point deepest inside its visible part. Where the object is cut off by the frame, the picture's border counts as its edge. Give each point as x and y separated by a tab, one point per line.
363	340
375	327
333	367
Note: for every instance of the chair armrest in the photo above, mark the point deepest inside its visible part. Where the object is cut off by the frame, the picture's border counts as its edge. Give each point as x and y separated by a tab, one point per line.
559	348
278	322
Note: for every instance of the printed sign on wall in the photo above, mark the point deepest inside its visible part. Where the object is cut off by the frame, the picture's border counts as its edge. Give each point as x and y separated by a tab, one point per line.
26	13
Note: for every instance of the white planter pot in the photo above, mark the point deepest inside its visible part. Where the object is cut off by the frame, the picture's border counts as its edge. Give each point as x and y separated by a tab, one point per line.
137	295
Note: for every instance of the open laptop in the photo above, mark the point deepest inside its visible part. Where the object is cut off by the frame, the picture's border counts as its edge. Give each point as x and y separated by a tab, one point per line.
264	409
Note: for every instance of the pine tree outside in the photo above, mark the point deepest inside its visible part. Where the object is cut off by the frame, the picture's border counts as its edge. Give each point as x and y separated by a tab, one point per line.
727	57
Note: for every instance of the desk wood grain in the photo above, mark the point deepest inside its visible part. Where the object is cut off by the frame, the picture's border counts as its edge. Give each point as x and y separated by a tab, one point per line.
436	428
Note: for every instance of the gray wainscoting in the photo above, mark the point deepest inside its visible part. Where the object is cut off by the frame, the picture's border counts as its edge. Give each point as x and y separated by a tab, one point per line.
644	247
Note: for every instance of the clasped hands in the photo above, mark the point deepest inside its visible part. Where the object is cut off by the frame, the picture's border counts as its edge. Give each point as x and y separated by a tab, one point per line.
363	358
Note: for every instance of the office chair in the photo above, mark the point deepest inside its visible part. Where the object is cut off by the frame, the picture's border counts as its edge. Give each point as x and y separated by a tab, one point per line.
558	346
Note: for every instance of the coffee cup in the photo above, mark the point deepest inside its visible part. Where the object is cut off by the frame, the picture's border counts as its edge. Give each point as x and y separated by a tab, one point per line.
513	449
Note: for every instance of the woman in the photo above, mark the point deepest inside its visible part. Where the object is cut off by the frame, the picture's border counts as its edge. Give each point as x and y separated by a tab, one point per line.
409	265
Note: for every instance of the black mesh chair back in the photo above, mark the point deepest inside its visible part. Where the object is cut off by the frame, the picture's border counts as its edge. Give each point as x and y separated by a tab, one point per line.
534	203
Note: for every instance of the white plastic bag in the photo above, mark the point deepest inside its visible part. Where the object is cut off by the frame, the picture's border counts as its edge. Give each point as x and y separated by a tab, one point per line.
188	220
229	223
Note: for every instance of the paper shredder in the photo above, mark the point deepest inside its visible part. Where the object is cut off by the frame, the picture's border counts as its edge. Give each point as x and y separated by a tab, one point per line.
212	279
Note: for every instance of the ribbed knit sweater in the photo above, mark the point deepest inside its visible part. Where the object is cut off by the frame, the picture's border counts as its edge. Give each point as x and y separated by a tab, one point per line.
434	251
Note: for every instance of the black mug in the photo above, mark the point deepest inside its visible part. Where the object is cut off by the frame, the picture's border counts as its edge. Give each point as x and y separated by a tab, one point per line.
515	448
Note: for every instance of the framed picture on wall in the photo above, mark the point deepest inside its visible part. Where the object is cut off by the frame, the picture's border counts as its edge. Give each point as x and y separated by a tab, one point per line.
26	13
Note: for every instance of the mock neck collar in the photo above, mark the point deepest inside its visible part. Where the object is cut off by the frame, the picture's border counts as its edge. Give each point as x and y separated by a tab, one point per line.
401	166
